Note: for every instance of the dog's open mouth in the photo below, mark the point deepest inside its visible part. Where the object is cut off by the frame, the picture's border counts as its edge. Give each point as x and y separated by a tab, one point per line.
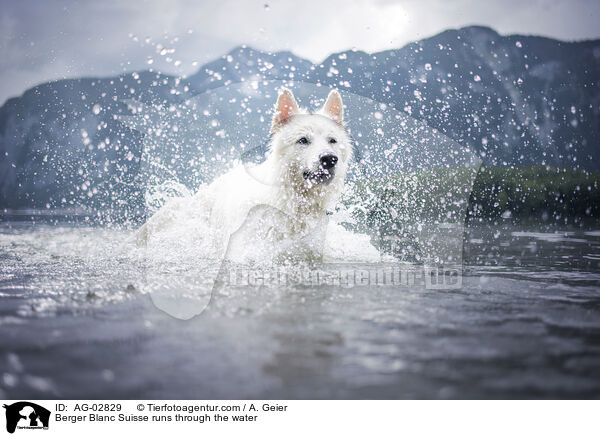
322	175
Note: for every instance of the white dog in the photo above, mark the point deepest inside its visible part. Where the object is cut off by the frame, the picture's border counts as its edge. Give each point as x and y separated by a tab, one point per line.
287	197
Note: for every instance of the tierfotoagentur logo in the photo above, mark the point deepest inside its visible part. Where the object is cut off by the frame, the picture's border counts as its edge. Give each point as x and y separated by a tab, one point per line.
347	276
26	415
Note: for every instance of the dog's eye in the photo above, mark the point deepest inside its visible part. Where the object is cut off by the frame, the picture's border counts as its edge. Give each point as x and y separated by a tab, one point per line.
303	140
332	141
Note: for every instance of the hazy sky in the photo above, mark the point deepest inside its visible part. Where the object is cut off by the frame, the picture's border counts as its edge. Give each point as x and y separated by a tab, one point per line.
42	40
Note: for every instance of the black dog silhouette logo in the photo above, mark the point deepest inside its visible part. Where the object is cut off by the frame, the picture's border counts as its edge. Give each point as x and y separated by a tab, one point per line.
26	415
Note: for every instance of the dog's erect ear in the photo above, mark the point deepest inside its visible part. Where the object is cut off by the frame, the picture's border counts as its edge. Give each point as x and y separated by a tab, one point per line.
333	107
285	107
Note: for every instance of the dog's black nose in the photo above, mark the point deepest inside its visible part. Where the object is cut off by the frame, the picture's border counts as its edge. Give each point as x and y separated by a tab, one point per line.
328	160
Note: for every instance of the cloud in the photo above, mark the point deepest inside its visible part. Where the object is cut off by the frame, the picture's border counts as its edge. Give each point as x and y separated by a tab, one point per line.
43	40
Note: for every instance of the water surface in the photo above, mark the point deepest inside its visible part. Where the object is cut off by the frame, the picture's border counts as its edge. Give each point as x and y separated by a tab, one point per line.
77	323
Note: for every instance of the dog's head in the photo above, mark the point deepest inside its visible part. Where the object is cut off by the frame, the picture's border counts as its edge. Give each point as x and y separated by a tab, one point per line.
313	150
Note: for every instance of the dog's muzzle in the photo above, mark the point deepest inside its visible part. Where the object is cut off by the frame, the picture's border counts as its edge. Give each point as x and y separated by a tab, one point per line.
326	170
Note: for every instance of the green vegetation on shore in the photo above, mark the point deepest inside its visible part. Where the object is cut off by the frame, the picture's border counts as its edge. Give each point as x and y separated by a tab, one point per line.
538	194
535	193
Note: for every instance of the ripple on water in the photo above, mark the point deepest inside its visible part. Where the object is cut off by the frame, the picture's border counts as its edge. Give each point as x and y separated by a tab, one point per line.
80	297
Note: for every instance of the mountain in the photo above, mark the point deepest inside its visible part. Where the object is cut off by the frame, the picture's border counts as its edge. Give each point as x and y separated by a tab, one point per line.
515	100
61	146
246	63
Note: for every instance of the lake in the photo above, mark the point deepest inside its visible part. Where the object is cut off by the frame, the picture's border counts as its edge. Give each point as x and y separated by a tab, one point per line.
77	323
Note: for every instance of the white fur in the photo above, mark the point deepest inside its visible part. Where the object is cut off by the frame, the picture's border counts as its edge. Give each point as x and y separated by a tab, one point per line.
280	183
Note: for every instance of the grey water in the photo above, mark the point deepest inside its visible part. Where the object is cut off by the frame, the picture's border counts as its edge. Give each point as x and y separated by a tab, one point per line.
74	323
